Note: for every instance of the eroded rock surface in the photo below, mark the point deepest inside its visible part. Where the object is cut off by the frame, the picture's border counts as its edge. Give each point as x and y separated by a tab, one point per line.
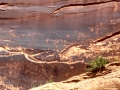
64	23
109	81
42	39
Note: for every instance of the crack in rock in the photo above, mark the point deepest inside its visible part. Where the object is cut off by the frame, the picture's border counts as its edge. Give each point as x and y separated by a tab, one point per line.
84	4
4	3
107	37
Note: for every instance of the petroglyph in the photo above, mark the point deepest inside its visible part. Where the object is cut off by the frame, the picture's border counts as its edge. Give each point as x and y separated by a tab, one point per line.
115	21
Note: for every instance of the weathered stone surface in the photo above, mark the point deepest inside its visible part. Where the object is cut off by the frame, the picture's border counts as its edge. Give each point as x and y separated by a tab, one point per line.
109	81
48	27
52	35
17	71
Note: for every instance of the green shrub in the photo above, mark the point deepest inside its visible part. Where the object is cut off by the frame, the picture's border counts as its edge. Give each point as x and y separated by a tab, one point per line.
50	81
97	64
116	58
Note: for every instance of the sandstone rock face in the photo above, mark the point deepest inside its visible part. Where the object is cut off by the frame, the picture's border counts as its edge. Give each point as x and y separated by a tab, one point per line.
54	38
54	24
110	81
17	73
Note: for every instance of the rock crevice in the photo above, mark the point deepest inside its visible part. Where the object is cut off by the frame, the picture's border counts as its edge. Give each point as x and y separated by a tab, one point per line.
85	4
